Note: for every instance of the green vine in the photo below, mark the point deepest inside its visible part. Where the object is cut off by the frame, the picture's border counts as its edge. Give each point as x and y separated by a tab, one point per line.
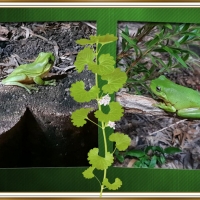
102	66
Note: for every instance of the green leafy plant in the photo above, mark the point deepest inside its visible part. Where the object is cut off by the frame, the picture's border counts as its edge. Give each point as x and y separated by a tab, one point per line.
165	49
103	67
149	157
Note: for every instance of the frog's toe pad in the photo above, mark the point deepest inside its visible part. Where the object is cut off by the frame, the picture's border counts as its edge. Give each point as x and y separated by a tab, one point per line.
51	82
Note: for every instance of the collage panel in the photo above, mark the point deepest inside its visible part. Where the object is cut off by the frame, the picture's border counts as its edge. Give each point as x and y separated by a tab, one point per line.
161	95
37	70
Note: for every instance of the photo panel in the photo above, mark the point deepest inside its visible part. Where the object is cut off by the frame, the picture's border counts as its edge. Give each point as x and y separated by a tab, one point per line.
36	129
162	64
57	159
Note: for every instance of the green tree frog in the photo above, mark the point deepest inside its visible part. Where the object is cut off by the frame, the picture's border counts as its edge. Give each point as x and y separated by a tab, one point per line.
32	73
182	100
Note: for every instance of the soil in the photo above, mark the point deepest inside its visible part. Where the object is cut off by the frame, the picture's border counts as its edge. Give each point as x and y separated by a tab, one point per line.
36	129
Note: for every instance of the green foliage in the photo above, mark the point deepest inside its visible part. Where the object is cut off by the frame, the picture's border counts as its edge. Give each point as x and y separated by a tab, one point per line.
84	58
102	65
88	173
116	112
78	117
80	94
99	162
122	141
116	80
112	186
147	158
106	65
167	48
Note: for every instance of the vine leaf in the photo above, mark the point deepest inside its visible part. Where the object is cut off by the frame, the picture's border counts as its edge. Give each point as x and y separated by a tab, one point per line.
108	38
112	186
88	173
116	80
84	57
122	140
99	162
91	41
104	39
115	113
106	65
78	117
79	93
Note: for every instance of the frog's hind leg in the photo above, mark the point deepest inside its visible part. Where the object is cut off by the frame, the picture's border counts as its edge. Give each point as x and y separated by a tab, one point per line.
193	113
39	81
26	87
17	80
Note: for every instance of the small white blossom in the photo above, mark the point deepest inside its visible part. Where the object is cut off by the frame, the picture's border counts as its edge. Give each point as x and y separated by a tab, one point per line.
111	124
105	100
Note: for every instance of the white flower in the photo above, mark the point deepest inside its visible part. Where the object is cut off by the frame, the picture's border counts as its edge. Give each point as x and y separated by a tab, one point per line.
111	124
105	100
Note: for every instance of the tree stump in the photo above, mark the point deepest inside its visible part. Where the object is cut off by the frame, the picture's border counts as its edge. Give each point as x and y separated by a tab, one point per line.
36	129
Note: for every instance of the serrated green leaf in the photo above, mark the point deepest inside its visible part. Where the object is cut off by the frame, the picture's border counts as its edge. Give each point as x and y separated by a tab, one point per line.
84	57
88	173
122	140
116	80
105	39
112	186
92	40
79	93
78	117
171	150
115	113
106	65
99	162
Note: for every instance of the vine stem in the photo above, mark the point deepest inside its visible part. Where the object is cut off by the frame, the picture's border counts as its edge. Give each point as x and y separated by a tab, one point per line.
105	145
94	122
102	124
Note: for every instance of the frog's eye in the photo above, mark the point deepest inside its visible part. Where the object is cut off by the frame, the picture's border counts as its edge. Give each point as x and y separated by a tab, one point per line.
158	89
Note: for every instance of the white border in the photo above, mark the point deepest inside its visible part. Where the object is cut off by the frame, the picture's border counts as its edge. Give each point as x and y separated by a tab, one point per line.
102	4
96	194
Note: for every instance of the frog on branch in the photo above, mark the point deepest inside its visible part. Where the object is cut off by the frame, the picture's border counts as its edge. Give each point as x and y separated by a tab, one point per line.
182	100
32	73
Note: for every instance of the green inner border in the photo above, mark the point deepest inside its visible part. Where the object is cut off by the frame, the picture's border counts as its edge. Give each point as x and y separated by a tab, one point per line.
71	179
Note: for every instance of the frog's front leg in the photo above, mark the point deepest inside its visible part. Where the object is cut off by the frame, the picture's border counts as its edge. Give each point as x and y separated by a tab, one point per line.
168	108
15	80
189	113
39	81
